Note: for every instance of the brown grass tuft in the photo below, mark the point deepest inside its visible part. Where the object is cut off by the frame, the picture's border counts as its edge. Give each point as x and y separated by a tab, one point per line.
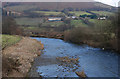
81	74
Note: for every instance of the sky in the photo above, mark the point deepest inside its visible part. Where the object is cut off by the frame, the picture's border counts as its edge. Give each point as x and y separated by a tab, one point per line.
109	2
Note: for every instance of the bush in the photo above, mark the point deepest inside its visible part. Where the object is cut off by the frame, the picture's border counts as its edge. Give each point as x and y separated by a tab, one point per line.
9	26
78	35
88	35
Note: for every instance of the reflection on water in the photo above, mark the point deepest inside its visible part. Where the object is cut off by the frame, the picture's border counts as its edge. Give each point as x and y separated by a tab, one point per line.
94	61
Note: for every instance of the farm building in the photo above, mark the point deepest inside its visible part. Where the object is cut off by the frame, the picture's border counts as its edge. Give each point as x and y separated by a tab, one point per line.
54	19
73	17
102	18
11	13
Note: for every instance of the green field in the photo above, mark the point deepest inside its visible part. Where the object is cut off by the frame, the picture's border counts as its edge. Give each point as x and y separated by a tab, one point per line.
96	21
105	13
101	25
29	21
54	24
49	12
31	28
36	22
8	40
78	23
78	13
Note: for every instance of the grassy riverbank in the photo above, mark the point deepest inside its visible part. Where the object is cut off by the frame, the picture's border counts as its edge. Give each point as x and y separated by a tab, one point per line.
18	55
8	40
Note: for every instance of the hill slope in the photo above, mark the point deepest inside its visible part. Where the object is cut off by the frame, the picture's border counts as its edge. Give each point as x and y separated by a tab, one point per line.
22	6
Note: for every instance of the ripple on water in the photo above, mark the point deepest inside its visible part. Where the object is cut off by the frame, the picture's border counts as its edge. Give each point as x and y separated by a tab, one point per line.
94	61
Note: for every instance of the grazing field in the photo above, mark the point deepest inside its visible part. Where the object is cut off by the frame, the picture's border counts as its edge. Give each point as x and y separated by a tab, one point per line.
98	22
8	40
102	25
30	28
37	29
78	23
105	13
95	21
29	21
49	12
54	24
36	22
78	13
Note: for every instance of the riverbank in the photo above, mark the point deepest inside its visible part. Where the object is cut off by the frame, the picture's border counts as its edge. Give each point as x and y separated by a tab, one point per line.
80	35
111	45
57	35
19	57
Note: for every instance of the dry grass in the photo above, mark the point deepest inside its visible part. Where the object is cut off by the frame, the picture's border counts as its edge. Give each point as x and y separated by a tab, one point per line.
81	74
18	58
9	64
68	60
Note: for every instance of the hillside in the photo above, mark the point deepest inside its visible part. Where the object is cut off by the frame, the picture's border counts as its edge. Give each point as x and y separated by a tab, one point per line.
22	6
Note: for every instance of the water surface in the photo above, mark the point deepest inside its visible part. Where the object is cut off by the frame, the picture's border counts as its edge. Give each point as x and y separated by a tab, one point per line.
94	61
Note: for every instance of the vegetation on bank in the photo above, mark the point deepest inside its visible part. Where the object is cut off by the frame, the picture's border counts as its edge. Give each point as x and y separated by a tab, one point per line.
102	34
8	40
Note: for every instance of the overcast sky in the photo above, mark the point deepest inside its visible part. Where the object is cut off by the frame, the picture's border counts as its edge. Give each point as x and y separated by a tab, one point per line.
109	2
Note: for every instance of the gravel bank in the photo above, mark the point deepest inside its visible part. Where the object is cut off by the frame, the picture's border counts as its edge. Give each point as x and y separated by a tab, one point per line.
17	59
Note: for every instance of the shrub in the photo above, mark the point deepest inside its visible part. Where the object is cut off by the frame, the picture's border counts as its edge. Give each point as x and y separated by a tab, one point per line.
9	26
78	35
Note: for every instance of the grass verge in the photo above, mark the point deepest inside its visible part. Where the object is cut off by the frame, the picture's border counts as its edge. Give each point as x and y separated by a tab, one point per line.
8	40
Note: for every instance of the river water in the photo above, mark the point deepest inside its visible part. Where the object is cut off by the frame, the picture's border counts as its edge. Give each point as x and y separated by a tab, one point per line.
94	61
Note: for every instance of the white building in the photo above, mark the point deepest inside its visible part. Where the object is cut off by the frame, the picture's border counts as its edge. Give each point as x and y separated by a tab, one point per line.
54	19
102	18
73	17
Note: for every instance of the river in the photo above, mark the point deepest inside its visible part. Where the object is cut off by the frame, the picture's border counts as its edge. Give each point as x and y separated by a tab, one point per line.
94	61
